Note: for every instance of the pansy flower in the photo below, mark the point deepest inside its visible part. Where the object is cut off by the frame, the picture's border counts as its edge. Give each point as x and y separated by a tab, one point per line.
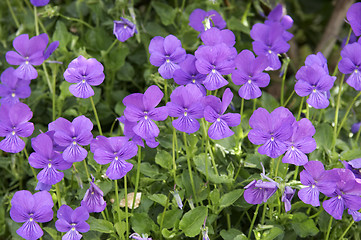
250	75
84	73
93	199
14	123
287	197
31	209
258	191
277	16
72	222
351	63
354	18
124	29
71	136
201	20
166	53
39	3
12	88
214	113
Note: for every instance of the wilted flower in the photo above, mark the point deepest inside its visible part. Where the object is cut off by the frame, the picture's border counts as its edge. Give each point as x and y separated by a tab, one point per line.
93	199
12	88
45	157
85	73
31	209
214	113
73	135
201	20
249	73
166	53
287	197
72	222
14	124
124	29
115	150
177	198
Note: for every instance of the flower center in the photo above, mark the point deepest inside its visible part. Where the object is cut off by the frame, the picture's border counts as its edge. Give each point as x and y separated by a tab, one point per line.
125	26
92	193
356	71
31	219
167	60
49	165
185	114
13	95
269	51
339	197
314	90
218	119
313	186
193	81
116	158
83	81
73	228
293	148
272	139
145	117
74	143
249	81
26	62
213	70
13	133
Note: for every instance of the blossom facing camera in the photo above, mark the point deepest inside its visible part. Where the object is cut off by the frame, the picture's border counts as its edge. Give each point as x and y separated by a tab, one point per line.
124	29
14	123
258	191
351	63
39	3
201	20
31	209
72	222
93	199
84	73
12	88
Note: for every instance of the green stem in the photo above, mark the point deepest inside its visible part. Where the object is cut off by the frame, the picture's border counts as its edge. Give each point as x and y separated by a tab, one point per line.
228	221
348	39
27	158
137	177
252	223
173	155
278	164
86	169
296	173
286	62
36	21
289	98
48	79
163	215
300	109
96	116
117	208
104	217
348	228
329	228
336	113
165	90
126	206
307	110
358	134
254	104
264	213
212	157
109	48
189	167
347	112
13	14
54	95
57	188
76	20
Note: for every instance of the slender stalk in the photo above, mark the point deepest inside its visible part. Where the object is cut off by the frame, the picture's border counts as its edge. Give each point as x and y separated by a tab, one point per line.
163	215
96	116
13	14
54	95
289	98
36	21
278	164
307	111
48	79
173	156
137	177
348	228
286	62
104	217
296	173
117	208
212	157
110	47
336	113
252	223
126	206
76	20
347	40
264	213
329	228
190	167
27	158
57	189
347	112
358	134
86	169
254	104
300	109
165	90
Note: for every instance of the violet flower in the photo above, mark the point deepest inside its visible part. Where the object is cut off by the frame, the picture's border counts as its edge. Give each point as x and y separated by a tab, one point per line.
350	64
215	62
354	165
42	187
317	59
355	127
315	83
187	106
124	29
73	135
345	194
356	215
269	42
249	73
72	222
258	191
93	199
354	18
45	157
278	17
214	113
166	53
14	123
138	237
287	197
201	20
85	73
301	142
115	150
188	74
272	130
31	209
141	108
39	3
12	88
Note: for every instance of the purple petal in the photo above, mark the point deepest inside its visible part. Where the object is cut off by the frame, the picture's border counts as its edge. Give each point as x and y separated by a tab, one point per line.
295	156
152	97
52	47
354	18
249	91
310	195
273	149
210	115
146	128
354	80
80	214
72	235
156	45
315	169
232	119
74	153
318	100
214	81
30	230
81	90
23	199
61	224
186	124
12	144
219	130
171	43
13	58
50	176
43	214
118	168
196	18
19	214
335	207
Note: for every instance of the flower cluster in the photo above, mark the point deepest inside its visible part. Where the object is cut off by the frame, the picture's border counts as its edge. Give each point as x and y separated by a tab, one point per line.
270	38
279	132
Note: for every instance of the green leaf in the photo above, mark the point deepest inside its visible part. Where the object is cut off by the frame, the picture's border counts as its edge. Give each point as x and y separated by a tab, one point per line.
149	170
165	12
236	24
351	154
52	232
272	234
159	198
215	196
229	198
233	234
192	221
100	225
116	57
142	223
303	226
170	218
268	101
164	159
62	35
120	227
323	136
